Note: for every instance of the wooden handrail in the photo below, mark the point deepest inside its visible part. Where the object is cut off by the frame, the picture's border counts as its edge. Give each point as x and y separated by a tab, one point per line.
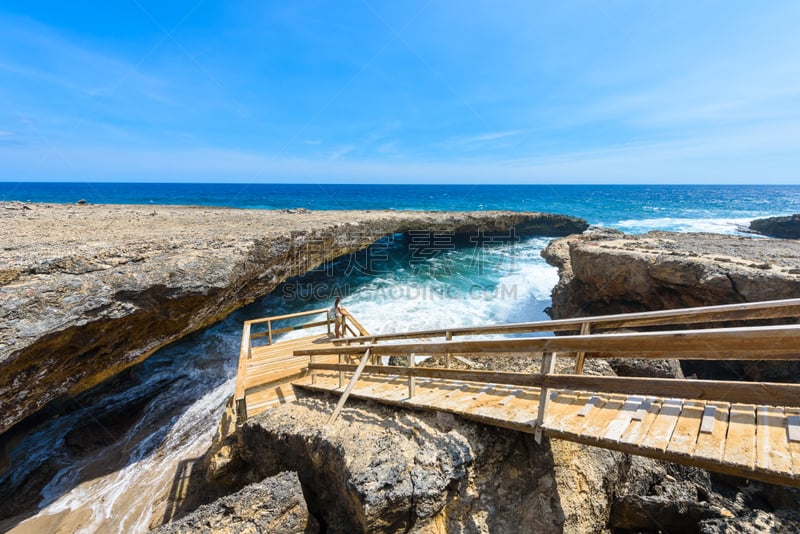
361	330
289	329
767	342
771	393
240	404
773	309
287	316
269	320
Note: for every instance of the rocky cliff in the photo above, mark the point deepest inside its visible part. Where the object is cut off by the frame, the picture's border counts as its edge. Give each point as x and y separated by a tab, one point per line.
605	271
86	291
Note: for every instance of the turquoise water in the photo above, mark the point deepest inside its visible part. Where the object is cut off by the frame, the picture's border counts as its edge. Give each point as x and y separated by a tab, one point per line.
399	283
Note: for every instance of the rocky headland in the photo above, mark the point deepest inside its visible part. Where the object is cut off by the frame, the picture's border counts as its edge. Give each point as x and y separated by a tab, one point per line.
786	227
87	291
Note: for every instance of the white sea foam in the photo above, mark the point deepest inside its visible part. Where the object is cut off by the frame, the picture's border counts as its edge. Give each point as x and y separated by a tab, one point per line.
728	226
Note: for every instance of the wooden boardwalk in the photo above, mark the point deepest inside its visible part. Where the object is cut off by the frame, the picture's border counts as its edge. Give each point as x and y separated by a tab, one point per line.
746	429
272	368
738	439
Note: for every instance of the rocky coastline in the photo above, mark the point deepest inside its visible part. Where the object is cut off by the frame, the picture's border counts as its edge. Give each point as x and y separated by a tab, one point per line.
86	291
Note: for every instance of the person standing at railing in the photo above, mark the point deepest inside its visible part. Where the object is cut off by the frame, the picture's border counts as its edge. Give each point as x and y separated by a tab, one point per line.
336	314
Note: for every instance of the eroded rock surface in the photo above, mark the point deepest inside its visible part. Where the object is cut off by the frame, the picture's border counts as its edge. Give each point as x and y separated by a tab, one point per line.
377	469
87	291
275	504
610	272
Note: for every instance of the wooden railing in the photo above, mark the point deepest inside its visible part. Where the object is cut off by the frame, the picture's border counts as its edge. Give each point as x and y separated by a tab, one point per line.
775	309
780	342
246	348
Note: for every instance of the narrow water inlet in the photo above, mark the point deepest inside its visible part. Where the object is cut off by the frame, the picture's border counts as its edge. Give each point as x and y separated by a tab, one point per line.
97	477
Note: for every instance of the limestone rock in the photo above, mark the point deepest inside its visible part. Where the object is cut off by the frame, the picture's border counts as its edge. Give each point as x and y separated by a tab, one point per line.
275	504
783	227
603	273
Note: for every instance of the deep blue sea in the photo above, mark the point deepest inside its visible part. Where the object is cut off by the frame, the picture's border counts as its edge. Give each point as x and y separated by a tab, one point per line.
387	288
633	208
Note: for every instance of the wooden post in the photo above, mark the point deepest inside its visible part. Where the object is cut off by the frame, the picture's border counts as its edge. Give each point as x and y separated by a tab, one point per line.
412	382
548	365
581	356
269	331
241	410
341	373
328	321
313	371
448	337
364	359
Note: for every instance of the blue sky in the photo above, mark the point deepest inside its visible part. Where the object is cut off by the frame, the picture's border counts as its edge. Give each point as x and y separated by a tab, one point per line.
396	91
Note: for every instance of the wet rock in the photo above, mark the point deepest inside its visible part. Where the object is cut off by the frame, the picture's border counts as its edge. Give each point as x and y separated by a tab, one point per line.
787	227
275	504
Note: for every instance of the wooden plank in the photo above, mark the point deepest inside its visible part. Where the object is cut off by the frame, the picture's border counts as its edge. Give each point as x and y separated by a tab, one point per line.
709	416
711	444
772	445
642	410
597	423
684	436
287	316
576	425
768	342
563	407
239	400
593	401
793	427
274	376
508	398
623	418
660	432
792	431
429	391
349	388
740	445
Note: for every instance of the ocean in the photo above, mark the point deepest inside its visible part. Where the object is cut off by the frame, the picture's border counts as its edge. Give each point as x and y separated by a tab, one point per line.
631	208
394	285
